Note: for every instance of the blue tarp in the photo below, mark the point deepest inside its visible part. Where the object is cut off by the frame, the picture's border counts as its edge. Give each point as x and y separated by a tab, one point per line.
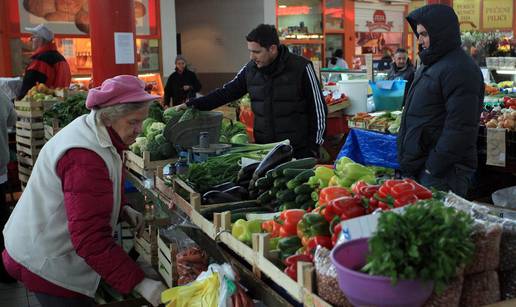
371	148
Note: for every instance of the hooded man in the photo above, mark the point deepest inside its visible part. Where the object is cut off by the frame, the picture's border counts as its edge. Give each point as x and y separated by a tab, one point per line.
47	65
439	124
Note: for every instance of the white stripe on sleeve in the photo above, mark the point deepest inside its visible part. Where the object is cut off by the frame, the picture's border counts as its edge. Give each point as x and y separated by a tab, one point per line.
319	105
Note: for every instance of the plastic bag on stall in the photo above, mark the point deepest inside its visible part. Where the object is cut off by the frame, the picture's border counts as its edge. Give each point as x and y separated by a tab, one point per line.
450	297
212	288
506	199
486	237
508	284
371	148
327	282
480	289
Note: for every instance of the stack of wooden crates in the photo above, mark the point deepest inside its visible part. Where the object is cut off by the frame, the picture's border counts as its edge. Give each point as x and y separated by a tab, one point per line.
30	134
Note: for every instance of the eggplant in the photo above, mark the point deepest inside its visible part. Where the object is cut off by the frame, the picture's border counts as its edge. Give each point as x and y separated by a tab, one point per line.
238	191
224	186
217	197
244	184
246	172
278	155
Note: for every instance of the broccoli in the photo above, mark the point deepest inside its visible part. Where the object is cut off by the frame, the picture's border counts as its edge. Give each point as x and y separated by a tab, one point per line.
155	127
146	124
160	138
153	148
139	146
171	115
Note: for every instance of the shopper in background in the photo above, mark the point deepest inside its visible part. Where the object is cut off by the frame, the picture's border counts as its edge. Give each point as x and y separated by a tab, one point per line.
59	238
7	119
337	61
439	125
181	84
401	68
286	99
47	65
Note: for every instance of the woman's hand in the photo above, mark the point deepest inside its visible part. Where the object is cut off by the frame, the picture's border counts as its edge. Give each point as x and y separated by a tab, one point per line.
134	218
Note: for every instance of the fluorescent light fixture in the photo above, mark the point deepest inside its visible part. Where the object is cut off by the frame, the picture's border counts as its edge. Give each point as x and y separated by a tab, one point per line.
282	6
506	72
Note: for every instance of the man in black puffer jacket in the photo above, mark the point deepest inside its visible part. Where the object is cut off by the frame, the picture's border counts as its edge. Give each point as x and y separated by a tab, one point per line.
286	98
439	125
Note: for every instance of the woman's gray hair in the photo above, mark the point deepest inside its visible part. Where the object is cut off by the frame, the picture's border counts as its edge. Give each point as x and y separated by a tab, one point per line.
113	113
180	58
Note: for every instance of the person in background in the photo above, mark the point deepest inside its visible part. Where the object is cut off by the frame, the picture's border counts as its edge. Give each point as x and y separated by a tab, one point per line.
357	63
7	119
59	239
439	124
337	61
401	68
286	98
47	65
181	85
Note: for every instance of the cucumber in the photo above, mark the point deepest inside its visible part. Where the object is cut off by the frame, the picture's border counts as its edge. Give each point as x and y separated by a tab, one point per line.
263	183
291	173
305	188
286	195
280	182
305	163
264	198
304	176
303	198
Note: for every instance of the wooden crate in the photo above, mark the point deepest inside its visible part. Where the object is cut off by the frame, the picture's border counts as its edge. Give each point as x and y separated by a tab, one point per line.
167	252
51	130
143	165
147	245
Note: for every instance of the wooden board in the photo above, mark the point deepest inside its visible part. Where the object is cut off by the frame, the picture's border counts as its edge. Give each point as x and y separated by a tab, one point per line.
142	164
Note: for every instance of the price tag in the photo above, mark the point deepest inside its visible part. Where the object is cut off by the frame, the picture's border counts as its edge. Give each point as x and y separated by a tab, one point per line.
496	150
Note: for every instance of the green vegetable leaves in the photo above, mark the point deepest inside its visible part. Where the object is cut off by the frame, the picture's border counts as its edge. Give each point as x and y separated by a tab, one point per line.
68	110
428	241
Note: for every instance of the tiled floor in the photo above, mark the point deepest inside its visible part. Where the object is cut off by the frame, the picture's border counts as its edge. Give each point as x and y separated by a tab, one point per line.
15	295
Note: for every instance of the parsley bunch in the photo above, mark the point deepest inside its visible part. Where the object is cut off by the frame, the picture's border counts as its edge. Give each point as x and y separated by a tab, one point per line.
428	242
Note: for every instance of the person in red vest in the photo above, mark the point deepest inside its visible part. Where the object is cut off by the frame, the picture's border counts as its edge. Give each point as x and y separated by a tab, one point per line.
47	65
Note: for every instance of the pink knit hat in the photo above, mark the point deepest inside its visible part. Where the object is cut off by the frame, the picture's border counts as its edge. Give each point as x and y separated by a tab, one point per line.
118	90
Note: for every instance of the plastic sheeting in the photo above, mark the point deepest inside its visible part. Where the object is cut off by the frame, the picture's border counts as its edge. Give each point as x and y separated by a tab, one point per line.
371	148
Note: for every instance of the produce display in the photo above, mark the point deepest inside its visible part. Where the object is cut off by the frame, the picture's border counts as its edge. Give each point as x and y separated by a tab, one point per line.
379	121
40	92
66	111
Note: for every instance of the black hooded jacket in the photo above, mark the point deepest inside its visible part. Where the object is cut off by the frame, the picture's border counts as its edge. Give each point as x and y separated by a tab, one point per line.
439	124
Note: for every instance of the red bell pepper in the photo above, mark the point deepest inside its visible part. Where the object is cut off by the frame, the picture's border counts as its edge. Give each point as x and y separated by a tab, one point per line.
330	193
355	188
405	200
291	271
368	191
294	259
336	233
324	241
347	207
402	190
272	227
421	191
289	220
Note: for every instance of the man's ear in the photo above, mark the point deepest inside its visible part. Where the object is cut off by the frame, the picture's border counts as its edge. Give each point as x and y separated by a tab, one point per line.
273	49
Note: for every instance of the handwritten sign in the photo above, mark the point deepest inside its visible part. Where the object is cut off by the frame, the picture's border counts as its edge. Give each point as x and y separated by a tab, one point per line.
468	12
497	14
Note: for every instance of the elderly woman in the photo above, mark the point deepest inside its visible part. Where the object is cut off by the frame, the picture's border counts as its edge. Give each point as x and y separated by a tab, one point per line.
59	238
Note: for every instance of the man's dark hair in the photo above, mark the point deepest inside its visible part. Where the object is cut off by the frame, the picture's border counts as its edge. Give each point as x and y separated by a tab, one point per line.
337	54
265	35
400	50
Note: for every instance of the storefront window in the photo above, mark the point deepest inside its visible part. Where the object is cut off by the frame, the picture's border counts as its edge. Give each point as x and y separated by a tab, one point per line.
309	51
147	54
334	15
300	19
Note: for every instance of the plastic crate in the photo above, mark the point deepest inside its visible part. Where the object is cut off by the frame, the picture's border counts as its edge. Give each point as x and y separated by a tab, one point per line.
388	99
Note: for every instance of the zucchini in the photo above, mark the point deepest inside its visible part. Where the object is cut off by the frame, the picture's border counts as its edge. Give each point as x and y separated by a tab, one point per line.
286	195
291	173
264	198
280	182
210	209
304	176
305	163
263	183
305	188
292	184
303	198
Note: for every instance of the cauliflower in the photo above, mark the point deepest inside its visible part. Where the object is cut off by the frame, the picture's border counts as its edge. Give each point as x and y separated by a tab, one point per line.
139	146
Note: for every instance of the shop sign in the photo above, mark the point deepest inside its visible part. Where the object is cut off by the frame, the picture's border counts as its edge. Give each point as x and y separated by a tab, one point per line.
378	20
468	12
497	14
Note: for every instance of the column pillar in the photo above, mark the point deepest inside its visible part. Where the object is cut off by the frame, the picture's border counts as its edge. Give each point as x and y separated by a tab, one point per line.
107	18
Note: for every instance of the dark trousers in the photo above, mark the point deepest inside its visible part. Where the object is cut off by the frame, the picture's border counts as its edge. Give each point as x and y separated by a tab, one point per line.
457	179
56	301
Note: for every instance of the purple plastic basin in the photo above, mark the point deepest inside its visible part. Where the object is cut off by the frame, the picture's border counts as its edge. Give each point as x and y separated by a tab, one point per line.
363	289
